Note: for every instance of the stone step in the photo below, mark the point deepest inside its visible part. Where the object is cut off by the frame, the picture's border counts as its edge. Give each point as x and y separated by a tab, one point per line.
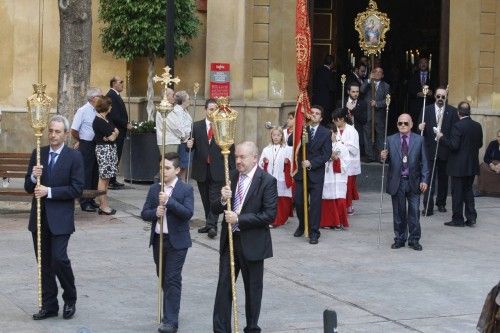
371	176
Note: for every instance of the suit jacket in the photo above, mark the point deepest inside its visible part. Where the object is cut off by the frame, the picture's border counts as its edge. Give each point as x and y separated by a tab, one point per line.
66	183
415	86
417	163
319	151
324	88
202	149
464	142
257	212
180	208
118	114
450	117
380	94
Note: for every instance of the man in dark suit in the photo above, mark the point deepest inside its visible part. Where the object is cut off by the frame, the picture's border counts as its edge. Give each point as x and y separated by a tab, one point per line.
325	88
447	116
416	82
318	152
119	118
356	108
208	167
463	165
376	101
62	181
253	194
358	75
407	177
176	205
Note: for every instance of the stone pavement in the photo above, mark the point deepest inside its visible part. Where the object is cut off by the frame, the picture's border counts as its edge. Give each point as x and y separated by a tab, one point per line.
372	288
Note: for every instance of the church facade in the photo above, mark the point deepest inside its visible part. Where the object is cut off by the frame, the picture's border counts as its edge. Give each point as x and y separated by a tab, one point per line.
257	39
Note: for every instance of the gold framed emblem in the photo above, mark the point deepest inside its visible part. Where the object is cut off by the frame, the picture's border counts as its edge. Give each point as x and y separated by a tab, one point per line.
372	25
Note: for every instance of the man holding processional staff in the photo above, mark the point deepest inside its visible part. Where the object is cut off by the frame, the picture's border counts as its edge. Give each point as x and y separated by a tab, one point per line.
318	151
253	196
61	182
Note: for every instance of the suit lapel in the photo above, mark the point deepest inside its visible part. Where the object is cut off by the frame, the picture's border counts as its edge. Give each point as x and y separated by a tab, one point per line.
411	143
397	142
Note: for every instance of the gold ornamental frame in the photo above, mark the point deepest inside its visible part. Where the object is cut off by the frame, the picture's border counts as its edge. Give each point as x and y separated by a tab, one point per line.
372	25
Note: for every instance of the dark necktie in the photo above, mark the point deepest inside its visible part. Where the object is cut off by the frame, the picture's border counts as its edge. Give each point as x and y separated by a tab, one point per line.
423	78
210	135
312	132
404	151
52	161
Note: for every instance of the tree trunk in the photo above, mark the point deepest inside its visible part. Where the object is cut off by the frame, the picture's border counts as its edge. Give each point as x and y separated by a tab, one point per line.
74	54
150	107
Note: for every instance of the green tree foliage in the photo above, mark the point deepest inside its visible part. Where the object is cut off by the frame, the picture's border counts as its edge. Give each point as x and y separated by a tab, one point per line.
136	28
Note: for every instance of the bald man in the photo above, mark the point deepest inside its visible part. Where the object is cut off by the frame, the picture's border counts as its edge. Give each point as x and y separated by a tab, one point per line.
407	177
253	195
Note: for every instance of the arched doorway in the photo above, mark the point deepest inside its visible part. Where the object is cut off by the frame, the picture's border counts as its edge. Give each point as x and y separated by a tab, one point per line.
415	24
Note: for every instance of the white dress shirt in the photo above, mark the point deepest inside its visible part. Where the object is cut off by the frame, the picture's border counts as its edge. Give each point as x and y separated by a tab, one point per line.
168	191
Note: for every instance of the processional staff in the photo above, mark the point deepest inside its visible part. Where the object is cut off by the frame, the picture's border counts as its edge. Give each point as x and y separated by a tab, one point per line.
129	134
342	80
196	88
164	108
224	126
387	102
39	109
425	91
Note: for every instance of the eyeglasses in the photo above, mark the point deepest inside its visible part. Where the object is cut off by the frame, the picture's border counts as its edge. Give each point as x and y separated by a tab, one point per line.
403	123
440	96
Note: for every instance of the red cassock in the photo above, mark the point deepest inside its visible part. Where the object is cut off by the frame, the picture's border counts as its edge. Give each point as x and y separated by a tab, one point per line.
352	190
333	204
275	160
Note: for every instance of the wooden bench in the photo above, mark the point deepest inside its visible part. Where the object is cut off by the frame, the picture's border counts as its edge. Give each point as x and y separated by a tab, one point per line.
15	165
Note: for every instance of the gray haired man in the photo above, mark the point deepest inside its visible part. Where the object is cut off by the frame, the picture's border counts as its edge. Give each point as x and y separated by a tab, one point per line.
83	133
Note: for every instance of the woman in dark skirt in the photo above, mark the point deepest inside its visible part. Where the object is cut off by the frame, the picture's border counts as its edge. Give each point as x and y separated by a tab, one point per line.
105	150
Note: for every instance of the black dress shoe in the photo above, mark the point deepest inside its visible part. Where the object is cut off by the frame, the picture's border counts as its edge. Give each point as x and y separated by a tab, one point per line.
397	245
470	223
69	311
313	239
112	186
429	213
298	233
44	314
204	230
454	224
415	245
94	204
117	184
167	328
441	209
88	208
103	212
211	233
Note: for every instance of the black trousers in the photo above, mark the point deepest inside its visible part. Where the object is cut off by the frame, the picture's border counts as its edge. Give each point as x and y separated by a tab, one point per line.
119	149
406	217
462	194
209	192
173	261
55	262
441	181
87	149
315	191
253	274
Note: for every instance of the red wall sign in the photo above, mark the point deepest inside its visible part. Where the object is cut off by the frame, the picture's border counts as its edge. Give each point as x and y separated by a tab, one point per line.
219	80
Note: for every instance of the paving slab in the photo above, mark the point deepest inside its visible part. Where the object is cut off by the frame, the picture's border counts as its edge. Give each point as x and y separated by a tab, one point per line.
372	288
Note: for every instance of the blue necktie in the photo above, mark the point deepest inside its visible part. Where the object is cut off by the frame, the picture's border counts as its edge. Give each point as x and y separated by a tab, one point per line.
313	131
53	156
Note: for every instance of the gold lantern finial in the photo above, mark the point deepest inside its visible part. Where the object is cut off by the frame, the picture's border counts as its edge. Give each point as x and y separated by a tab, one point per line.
224	122
39	108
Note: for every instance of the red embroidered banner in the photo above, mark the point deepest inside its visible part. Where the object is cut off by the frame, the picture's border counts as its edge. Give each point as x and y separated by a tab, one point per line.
303	54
